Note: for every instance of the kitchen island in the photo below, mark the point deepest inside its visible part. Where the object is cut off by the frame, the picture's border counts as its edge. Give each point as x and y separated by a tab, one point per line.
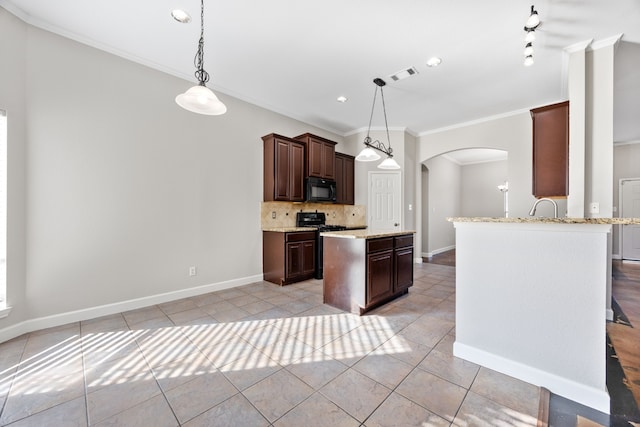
364	269
532	296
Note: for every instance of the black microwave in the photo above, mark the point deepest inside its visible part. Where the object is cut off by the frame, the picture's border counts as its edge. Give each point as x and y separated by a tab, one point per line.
320	190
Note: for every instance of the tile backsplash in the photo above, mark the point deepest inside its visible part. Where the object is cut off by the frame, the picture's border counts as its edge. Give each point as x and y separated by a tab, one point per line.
285	213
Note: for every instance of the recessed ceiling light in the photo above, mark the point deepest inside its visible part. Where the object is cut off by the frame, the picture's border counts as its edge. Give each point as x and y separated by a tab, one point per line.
434	62
181	16
342	99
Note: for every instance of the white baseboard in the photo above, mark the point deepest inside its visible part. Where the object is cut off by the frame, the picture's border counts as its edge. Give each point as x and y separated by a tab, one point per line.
438	251
581	393
31	325
616	256
609	314
417	260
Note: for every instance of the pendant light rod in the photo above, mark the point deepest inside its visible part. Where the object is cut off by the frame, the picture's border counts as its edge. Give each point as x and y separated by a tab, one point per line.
201	75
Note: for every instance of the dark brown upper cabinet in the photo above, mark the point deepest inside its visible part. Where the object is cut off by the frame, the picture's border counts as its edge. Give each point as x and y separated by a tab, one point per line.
551	150
283	169
345	165
320	156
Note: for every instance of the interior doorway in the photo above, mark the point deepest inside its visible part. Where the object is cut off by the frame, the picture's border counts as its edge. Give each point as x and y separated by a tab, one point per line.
630	208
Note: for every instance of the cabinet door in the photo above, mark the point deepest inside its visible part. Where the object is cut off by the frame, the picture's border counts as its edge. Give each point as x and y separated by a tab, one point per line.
379	276
296	173
315	157
349	182
295	252
282	170
403	268
328	160
309	257
340	188
344	179
551	150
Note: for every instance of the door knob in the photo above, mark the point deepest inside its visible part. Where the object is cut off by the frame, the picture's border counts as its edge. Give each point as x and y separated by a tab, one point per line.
396	224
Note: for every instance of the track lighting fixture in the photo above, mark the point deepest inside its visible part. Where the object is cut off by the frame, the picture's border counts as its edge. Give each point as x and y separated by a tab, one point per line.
530	26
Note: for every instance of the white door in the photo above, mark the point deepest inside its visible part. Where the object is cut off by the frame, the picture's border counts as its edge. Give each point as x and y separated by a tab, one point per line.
384	201
630	209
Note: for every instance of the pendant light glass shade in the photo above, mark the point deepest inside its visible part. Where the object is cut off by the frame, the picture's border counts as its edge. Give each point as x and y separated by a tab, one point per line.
531	36
368	155
534	19
389	163
528	50
201	100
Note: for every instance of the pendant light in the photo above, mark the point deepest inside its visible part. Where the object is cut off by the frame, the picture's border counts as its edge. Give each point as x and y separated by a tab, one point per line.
368	154
534	20
200	99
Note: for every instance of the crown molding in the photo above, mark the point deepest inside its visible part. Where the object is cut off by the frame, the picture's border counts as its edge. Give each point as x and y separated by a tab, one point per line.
621	143
474	122
610	41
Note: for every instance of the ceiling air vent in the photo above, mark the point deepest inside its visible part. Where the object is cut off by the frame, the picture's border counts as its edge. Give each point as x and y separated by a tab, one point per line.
403	74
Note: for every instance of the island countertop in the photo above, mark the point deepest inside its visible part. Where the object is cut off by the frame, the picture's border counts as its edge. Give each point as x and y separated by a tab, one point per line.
365	234
540	220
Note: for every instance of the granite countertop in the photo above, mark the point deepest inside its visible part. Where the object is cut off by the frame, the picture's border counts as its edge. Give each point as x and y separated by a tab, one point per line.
540	220
288	229
365	234
294	229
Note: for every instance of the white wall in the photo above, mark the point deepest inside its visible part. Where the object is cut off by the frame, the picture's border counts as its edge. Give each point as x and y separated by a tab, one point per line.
480	194
444	192
599	123
124	189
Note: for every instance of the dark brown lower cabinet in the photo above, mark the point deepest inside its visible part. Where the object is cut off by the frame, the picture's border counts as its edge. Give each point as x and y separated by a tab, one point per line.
361	274
288	257
379	276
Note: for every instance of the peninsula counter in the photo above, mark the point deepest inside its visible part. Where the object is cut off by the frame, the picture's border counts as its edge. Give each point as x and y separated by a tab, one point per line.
532	298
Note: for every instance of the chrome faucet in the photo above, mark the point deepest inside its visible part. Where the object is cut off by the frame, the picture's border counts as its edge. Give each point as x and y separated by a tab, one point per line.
532	212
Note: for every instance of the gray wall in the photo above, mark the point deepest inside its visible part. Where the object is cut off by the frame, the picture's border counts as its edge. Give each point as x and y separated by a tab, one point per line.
480	195
445	200
124	190
13	79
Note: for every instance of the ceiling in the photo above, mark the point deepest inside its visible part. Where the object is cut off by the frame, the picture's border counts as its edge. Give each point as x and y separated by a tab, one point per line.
296	57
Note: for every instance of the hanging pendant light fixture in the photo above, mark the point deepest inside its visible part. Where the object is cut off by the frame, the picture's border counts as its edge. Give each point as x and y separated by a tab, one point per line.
368	154
200	99
534	20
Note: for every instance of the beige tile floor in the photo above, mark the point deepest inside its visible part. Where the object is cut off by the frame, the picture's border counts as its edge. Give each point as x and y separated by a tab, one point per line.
261	355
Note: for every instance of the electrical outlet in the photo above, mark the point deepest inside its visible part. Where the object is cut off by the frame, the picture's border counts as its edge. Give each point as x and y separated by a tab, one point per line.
594	207
273	215
193	271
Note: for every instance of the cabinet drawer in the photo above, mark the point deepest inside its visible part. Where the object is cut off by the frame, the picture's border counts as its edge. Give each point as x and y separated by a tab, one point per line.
300	236
403	241
374	245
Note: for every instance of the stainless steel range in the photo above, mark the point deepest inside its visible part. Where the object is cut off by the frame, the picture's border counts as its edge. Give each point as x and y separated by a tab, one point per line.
317	220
